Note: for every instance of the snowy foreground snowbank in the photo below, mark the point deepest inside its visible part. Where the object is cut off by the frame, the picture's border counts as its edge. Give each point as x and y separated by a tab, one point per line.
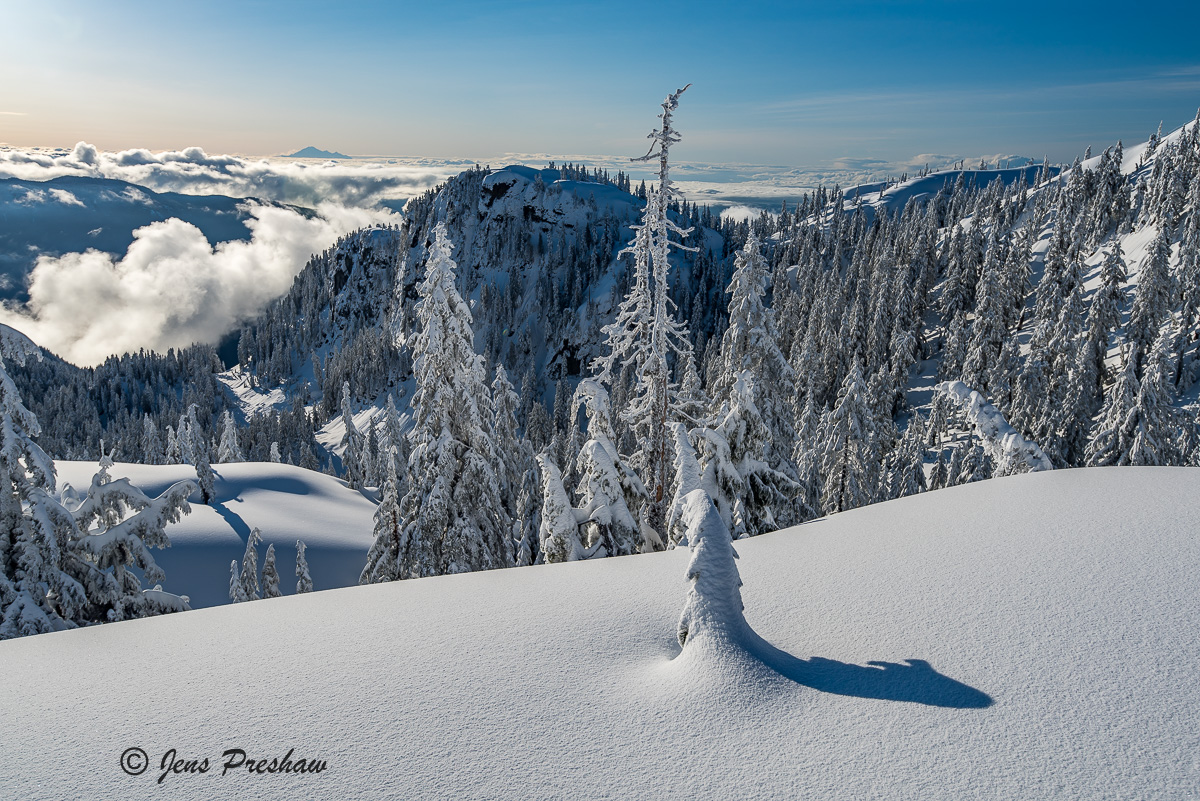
1027	637
287	503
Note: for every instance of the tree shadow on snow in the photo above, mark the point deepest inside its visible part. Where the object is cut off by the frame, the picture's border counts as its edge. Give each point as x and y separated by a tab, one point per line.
217	504
912	680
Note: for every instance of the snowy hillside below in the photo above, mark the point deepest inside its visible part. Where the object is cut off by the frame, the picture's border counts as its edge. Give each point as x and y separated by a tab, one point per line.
286	503
1026	637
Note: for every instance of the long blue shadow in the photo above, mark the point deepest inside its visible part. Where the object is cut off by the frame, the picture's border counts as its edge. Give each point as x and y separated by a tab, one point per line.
912	680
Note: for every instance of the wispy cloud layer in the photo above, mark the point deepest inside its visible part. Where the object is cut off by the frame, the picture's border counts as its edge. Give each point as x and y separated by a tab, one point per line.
192	171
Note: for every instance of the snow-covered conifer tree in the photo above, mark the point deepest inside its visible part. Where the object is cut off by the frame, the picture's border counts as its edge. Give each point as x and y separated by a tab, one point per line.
604	466
1189	284
229	450
250	566
1156	427
184	435
383	558
847	431
525	551
559	531
645	338
115	526
688	477
36	596
1104	317
516	469
745	489
352	443
304	582
270	575
274	456
237	591
1151	300
453	518
939	475
172	453
751	343
988	333
152	446
1111	443
906	466
195	453
608	524
713	609
807	458
693	401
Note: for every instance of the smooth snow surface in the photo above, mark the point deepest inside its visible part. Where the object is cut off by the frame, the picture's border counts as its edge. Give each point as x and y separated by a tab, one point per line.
1048	621
287	503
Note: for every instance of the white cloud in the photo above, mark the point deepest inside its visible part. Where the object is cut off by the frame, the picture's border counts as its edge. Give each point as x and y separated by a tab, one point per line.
30	197
33	196
741	213
172	288
192	171
65	197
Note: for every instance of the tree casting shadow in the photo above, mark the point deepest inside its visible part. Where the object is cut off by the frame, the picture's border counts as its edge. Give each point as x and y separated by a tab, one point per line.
912	680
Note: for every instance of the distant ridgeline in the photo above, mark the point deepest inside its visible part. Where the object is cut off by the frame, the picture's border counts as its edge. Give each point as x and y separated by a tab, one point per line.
815	336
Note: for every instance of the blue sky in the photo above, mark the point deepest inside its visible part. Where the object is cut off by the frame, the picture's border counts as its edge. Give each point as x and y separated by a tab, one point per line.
774	83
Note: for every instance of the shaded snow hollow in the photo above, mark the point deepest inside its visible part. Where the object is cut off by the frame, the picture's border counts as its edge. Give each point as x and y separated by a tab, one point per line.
287	503
1026	637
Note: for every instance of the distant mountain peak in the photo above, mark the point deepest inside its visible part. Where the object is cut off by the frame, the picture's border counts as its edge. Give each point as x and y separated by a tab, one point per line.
311	152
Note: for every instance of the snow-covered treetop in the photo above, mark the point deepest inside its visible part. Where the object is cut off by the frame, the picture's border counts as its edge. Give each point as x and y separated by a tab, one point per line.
593	398
1009	449
663	138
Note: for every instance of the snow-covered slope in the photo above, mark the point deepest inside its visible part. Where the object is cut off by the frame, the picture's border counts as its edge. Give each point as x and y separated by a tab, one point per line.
894	196
287	503
1026	637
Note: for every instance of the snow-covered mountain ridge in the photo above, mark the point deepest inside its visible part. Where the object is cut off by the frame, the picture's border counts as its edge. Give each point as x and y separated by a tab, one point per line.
1030	636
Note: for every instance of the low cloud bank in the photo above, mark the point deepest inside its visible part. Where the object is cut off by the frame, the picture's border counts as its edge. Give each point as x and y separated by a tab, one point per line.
192	171
172	287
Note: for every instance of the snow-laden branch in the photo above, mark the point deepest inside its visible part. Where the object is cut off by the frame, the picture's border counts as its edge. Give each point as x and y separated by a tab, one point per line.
1011	452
